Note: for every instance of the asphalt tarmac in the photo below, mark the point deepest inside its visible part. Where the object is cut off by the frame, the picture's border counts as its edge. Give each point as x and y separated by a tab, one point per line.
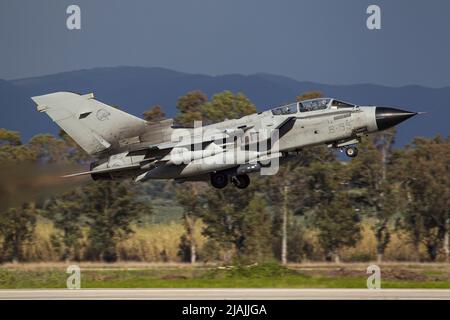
224	294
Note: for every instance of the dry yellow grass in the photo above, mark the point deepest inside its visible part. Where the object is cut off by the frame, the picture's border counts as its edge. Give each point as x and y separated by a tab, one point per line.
399	247
40	249
150	243
365	249
156	243
159	243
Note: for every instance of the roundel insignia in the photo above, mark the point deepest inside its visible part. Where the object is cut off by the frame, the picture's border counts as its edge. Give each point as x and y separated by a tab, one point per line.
102	115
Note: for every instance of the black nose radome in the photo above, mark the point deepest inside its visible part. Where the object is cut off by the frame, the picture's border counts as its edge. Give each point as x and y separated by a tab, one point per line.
389	117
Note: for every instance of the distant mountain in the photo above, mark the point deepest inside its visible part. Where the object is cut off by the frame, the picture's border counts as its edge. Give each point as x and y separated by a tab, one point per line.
135	89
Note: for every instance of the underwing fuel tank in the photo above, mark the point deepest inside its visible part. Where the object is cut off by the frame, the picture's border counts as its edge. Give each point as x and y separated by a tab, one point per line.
184	155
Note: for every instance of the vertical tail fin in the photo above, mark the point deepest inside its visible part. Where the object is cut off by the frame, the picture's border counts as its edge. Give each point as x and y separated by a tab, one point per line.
95	126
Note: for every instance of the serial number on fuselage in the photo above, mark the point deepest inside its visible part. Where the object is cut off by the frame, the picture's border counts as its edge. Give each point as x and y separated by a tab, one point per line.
341	126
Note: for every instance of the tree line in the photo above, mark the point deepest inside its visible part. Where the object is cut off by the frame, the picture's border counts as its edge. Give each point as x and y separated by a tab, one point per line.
406	189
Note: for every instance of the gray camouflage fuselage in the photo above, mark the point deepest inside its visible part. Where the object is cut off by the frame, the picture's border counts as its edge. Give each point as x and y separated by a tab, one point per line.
127	146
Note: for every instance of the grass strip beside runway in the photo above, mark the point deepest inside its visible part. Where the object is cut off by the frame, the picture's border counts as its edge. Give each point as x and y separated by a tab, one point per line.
202	276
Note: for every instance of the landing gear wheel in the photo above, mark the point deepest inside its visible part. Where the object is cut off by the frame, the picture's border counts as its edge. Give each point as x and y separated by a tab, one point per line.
219	180
241	181
351	152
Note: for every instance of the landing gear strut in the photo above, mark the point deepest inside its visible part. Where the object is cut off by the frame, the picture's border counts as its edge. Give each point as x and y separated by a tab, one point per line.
219	180
241	181
351	152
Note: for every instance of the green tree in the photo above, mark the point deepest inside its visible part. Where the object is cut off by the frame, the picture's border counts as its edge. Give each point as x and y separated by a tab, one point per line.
423	171
226	105
375	188
256	228
111	209
16	164
299	248
334	217
188	196
17	227
194	106
12	151
48	149
9	137
154	114
287	193
338	225
190	108
67	213
224	216
281	190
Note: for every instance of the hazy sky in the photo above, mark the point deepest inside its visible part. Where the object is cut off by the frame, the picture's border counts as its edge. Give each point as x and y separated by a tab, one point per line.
316	40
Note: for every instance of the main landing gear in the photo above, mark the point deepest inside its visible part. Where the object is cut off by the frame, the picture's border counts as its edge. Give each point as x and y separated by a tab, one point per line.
241	181
219	180
351	151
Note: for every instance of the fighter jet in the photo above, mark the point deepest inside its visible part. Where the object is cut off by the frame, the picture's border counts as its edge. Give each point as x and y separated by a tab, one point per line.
125	146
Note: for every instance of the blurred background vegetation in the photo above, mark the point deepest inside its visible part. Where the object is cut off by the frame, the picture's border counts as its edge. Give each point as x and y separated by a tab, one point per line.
387	204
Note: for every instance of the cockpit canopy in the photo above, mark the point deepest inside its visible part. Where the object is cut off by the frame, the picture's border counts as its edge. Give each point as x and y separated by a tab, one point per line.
314	104
287	109
336	104
311	105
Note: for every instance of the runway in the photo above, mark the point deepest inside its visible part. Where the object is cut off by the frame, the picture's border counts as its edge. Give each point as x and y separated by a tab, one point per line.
228	294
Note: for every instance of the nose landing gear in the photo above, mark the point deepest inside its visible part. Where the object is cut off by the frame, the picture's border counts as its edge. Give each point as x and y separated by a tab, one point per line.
351	151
